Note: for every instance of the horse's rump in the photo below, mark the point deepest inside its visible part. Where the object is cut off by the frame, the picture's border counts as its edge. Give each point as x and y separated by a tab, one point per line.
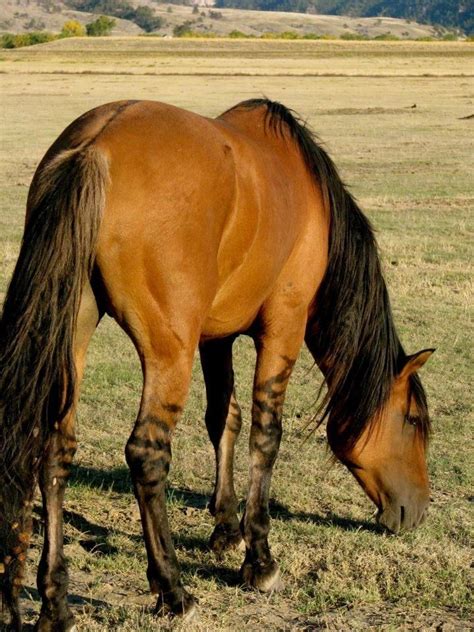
200	214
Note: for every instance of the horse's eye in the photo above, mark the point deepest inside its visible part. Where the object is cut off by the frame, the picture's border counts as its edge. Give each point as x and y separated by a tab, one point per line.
412	420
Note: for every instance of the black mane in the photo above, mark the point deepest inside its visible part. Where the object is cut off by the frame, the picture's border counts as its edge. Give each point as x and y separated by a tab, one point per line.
350	332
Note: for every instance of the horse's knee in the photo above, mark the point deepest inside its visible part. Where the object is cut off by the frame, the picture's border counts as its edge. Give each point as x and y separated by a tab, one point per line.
265	438
148	452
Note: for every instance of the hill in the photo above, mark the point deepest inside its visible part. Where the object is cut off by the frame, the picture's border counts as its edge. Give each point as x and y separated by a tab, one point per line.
20	16
448	13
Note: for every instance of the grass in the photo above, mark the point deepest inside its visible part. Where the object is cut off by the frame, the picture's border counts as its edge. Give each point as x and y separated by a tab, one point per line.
261	58
411	170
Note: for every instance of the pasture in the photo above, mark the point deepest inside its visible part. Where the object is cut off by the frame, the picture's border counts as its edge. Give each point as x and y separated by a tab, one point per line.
396	118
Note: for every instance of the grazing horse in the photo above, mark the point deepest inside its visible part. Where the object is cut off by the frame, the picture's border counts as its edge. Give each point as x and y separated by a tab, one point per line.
189	231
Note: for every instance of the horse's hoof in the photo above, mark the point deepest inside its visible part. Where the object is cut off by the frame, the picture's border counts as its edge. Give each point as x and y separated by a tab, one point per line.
185	607
45	624
225	539
191	613
263	577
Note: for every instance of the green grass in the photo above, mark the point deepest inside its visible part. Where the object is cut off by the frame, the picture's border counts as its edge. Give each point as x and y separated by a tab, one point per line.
411	170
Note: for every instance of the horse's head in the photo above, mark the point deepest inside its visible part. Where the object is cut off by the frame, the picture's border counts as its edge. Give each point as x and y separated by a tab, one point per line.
389	458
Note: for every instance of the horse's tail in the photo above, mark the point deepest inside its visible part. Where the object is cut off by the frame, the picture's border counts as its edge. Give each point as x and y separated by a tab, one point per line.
37	329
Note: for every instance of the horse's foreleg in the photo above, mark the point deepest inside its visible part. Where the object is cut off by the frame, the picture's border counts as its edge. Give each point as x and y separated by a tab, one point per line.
223	422
52	578
275	361
148	454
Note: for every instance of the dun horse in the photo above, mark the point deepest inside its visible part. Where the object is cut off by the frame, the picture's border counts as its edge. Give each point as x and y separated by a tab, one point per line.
190	231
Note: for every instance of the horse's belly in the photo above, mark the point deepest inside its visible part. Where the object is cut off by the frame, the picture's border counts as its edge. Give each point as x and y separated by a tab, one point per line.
232	311
240	296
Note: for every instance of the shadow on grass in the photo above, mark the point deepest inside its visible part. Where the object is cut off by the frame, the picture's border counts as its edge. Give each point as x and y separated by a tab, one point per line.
118	480
280	512
95	537
31	596
32	600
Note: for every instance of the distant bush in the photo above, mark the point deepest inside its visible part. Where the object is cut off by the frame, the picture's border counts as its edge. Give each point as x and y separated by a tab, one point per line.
353	36
215	15
73	28
289	35
387	37
235	34
200	34
143	15
101	26
184	29
283	35
25	39
450	37
145	18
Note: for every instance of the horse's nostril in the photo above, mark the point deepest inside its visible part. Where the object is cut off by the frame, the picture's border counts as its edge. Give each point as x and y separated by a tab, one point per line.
402	514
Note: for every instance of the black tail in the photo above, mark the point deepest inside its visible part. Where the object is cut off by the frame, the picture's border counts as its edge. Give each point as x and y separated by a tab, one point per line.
37	332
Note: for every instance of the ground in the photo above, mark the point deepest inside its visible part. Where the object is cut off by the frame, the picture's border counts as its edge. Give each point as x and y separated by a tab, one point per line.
395	118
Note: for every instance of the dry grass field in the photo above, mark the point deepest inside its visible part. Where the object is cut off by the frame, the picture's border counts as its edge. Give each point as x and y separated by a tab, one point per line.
412	171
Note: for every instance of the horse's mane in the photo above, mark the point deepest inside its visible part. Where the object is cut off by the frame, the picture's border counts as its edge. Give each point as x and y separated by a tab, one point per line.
350	331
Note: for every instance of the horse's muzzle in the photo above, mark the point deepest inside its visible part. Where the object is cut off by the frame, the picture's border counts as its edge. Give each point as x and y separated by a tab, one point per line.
403	517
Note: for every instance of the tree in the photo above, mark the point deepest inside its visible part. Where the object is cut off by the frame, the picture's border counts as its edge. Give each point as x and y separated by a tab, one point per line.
101	26
184	29
73	28
145	18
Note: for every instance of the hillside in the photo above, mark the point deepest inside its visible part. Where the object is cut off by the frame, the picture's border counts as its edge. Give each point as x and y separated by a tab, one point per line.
19	16
447	13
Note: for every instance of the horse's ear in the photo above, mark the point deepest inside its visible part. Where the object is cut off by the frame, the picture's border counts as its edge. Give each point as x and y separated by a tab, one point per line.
415	362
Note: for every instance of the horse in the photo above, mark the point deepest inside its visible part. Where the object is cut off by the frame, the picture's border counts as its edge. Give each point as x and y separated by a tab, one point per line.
189	232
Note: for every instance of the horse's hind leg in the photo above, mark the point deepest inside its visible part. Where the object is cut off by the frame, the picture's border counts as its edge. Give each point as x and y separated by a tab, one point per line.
55	615
167	365
223	421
